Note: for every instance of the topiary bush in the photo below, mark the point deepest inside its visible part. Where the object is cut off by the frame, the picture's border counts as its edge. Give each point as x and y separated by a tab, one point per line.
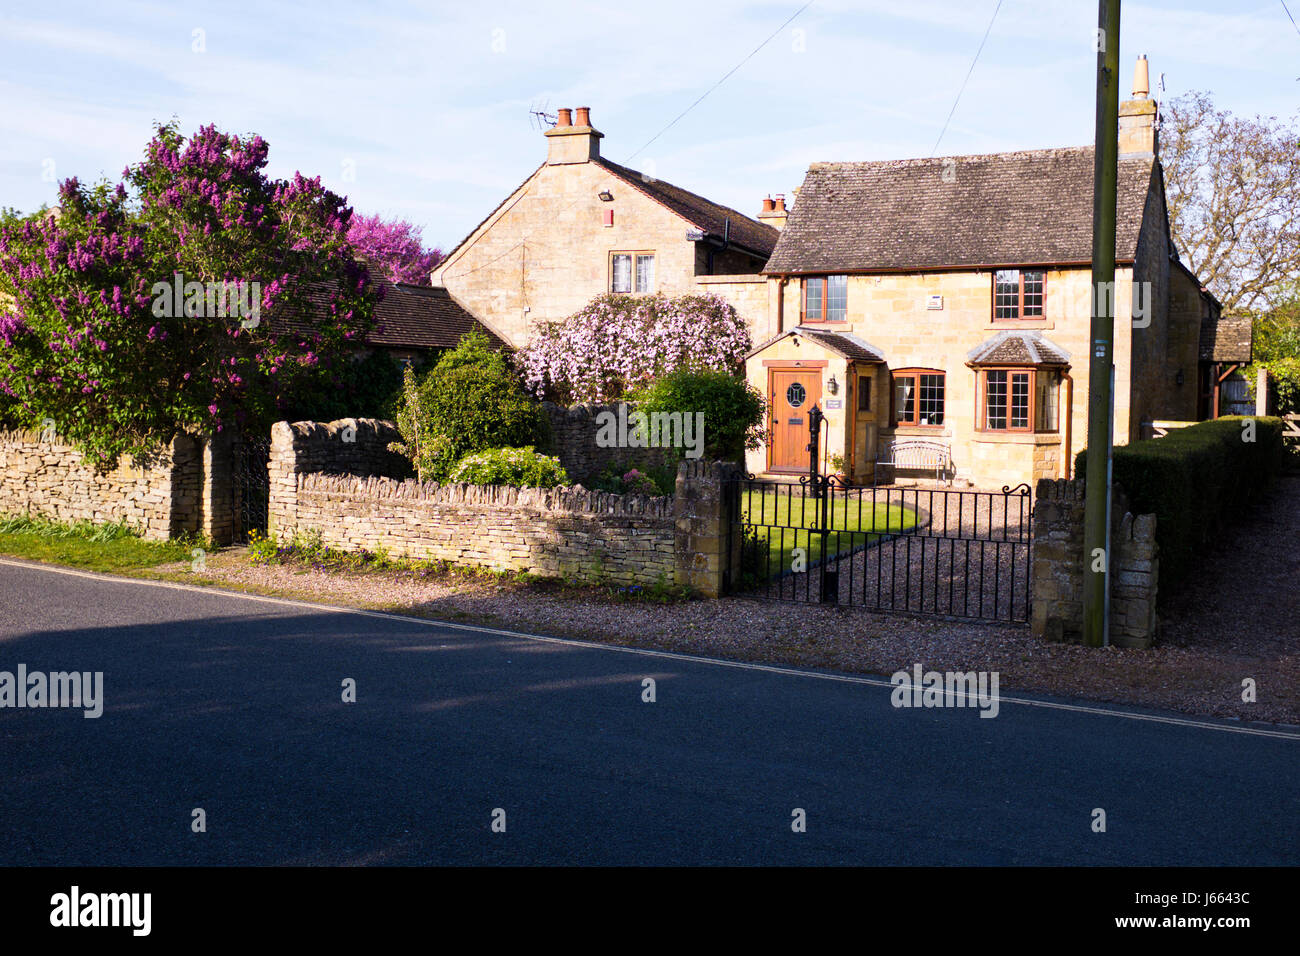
1196	480
471	400
520	467
733	409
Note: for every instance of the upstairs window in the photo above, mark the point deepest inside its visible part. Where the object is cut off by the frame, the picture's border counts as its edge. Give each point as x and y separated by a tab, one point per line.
629	271
919	397
1017	294
825	298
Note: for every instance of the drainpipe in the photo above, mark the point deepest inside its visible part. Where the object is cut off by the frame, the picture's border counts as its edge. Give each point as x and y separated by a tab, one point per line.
1068	409
780	303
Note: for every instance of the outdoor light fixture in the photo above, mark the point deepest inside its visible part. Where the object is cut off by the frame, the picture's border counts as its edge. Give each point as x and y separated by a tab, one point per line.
833	386
605	195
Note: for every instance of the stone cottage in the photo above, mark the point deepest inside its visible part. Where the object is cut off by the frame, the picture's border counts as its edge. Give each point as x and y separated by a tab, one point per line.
947	301
581	225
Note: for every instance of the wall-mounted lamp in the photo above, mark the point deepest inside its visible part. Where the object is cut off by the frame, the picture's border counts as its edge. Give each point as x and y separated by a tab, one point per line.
833	386
605	195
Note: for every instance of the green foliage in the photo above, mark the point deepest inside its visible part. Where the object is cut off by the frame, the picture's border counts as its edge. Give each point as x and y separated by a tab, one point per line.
1196	480
1277	348
369	387
470	401
626	479
520	467
88	530
114	546
733	410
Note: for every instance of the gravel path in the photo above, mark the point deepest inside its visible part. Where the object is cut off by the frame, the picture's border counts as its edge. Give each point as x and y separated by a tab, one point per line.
1237	620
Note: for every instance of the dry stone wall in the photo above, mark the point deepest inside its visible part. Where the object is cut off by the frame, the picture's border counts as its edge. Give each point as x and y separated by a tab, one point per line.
40	475
559	532
573	434
1059	562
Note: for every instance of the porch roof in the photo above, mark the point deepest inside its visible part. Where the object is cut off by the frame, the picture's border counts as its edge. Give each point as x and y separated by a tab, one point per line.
844	344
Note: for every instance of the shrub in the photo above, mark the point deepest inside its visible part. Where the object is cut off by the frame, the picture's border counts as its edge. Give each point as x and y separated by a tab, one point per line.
629	480
470	401
521	467
369	387
733	409
1195	481
618	342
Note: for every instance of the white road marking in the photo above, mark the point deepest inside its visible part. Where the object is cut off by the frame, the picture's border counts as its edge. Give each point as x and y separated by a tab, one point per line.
646	652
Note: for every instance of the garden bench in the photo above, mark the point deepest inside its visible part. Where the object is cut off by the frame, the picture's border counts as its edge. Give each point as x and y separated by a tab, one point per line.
914	454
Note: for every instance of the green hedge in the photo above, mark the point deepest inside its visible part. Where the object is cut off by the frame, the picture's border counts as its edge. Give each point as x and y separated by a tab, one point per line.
1196	481
521	467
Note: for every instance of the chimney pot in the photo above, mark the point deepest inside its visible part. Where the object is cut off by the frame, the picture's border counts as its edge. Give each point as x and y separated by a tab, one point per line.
1141	79
780	202
584	116
768	205
564	117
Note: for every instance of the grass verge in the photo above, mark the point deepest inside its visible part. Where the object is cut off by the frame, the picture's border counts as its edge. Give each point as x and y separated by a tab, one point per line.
82	544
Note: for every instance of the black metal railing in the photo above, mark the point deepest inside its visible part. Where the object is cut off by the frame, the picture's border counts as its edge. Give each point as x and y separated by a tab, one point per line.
921	550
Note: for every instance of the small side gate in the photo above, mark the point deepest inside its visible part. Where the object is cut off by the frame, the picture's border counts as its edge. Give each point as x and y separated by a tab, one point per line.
250	486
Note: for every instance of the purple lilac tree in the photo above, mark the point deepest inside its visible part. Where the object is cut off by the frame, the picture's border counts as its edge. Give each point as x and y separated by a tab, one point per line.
394	248
108	317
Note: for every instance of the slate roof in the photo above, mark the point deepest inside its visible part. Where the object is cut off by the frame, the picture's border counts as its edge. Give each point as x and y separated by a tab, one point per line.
413	316
1018	348
844	344
1023	208
1229	338
757	237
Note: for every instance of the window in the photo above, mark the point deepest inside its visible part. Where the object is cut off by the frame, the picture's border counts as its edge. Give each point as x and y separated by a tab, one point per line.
825	298
918	397
864	393
621	275
1017	294
1013	398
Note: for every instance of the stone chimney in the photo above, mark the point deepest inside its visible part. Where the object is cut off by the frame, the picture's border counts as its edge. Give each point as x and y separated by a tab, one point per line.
572	140
774	212
1137	117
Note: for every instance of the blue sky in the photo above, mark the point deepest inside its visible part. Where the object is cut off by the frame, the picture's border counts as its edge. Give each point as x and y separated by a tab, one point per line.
421	110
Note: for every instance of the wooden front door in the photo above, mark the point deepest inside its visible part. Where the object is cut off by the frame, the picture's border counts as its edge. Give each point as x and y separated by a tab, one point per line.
793	393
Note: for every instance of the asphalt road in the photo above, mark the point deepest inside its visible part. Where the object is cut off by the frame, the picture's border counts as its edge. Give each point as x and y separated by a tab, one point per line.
233	704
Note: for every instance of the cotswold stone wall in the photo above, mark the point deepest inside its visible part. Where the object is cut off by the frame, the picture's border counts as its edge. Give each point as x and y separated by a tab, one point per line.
1059	562
573	432
573	532
39	475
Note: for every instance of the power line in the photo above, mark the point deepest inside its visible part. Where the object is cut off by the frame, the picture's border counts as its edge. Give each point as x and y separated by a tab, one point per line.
968	74
724	79
1291	18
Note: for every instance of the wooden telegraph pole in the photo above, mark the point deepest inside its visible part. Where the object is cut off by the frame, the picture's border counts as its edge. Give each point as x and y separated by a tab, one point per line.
1101	398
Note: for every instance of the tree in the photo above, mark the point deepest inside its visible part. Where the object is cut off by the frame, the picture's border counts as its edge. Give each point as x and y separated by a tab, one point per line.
394	247
470	401
1234	208
618	342
135	311
1277	349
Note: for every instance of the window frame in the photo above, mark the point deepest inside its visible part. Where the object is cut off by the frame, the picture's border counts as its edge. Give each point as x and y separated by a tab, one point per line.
915	420
1034	372
824	282
634	256
1020	316
864	387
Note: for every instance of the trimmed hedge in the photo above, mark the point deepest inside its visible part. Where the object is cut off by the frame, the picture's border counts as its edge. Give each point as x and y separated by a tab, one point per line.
1196	481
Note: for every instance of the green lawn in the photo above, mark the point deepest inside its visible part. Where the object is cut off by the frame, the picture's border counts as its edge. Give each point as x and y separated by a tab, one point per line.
789	520
106	547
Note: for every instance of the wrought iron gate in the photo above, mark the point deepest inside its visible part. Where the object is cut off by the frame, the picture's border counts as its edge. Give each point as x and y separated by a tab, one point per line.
250	486
921	550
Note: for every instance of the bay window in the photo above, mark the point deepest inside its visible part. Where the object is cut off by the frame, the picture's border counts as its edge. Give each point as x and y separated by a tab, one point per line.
1018	399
